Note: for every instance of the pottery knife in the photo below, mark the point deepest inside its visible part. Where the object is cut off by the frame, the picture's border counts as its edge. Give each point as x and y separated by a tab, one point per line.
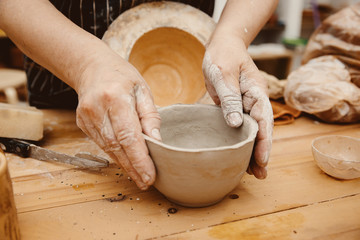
25	149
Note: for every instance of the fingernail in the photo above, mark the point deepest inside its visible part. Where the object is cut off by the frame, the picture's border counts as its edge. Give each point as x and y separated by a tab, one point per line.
264	161
143	186
146	178
234	119
156	134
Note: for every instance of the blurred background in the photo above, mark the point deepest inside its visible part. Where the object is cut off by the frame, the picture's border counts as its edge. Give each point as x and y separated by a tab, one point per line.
277	49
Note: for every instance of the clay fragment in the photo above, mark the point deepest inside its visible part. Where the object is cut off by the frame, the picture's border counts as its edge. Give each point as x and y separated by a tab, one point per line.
21	122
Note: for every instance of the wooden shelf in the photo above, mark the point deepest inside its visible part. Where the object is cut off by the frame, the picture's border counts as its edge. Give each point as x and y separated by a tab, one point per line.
277	64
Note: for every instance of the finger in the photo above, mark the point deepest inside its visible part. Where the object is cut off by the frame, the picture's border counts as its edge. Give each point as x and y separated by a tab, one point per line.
212	92
263	115
122	160
257	171
146	110
227	87
128	132
89	129
115	147
257	103
104	136
209	87
248	170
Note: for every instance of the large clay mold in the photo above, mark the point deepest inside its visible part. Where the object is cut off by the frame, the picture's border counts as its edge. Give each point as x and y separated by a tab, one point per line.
201	159
165	41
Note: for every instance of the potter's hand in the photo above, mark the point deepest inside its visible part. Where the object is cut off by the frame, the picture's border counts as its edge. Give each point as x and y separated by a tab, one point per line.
234	82
115	104
115	107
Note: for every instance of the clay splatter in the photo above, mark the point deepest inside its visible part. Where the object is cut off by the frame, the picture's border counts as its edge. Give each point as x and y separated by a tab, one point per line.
172	210
79	187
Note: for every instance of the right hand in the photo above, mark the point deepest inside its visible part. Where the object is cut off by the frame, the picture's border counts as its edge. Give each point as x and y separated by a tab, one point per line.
234	82
115	107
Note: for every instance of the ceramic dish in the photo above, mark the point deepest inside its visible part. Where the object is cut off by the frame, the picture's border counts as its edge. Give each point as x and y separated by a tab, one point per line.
338	156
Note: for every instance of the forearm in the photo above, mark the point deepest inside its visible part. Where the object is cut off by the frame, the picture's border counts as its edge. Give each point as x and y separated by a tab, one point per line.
49	38
244	18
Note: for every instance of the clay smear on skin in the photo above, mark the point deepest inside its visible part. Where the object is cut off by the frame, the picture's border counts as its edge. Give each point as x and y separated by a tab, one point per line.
141	99
230	100
255	95
263	109
139	94
108	133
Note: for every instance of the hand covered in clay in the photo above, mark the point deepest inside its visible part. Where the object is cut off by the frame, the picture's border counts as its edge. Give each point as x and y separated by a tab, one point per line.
234	82
115	107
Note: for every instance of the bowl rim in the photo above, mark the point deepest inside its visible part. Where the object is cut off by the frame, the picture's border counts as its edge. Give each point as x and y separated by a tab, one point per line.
127	28
331	157
250	138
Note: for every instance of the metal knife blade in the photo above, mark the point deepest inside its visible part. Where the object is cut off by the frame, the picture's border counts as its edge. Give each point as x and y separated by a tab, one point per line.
26	149
49	155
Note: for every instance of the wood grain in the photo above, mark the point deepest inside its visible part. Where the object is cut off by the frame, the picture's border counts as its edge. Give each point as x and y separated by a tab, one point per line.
337	219
60	202
9	226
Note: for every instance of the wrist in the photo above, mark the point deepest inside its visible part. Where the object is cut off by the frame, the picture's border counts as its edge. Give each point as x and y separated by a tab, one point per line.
89	68
245	18
223	36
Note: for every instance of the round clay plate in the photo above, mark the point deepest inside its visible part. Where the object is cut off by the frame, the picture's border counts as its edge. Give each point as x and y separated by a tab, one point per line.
165	42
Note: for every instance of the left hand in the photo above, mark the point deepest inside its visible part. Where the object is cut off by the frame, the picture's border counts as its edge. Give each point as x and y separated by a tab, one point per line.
115	108
234	82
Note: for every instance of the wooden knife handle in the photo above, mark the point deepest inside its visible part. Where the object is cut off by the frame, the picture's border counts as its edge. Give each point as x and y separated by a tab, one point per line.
18	147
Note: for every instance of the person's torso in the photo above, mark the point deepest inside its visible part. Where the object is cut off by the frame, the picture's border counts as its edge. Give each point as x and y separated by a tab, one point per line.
47	91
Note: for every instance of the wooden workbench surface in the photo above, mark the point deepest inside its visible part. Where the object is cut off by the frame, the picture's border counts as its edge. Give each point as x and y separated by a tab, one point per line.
296	201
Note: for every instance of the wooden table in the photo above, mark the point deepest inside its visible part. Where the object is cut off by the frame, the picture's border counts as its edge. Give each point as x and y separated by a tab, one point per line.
2	33
296	201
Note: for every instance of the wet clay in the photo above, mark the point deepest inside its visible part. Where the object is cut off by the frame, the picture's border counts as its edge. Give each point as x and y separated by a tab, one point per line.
170	61
201	158
9	227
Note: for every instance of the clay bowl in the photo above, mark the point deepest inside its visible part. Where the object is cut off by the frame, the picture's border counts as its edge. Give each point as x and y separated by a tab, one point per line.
338	156
165	41
200	159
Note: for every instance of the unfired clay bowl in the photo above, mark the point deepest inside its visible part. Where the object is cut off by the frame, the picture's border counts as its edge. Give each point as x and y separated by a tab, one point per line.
338	156
200	159
165	41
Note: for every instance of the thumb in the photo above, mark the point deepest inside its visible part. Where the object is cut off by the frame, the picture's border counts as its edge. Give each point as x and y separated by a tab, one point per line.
227	87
